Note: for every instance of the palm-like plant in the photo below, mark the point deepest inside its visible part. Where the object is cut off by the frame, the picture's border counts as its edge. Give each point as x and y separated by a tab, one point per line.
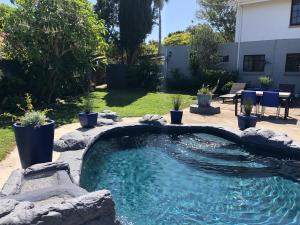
159	4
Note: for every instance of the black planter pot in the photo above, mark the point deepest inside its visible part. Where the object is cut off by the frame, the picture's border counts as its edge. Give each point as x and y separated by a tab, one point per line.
35	145
246	122
88	120
176	116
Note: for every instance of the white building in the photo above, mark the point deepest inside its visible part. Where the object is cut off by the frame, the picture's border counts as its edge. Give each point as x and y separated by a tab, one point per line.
267	41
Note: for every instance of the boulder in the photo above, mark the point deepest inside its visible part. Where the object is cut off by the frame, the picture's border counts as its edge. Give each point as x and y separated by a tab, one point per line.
153	120
107	114
90	208
104	122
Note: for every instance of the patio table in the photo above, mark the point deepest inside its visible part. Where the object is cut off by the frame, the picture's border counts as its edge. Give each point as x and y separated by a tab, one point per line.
287	96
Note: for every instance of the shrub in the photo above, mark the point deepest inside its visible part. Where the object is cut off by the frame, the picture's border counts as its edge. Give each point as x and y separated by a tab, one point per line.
176	81
265	81
226	88
87	104
211	78
146	75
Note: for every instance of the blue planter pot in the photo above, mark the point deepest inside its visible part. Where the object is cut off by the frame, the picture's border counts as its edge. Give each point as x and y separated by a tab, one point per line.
88	120
35	145
246	122
176	116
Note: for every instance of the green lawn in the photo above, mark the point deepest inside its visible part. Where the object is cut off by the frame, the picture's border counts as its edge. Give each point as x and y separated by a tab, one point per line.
127	103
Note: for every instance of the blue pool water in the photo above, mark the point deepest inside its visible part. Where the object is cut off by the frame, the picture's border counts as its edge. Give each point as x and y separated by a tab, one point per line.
190	179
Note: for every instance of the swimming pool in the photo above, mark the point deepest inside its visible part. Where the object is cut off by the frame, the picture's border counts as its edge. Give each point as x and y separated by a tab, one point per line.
190	179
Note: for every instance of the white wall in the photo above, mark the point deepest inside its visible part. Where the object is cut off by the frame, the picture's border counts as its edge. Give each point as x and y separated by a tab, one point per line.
269	20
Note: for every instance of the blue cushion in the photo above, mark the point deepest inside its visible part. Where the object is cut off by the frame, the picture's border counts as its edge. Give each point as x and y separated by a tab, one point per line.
248	95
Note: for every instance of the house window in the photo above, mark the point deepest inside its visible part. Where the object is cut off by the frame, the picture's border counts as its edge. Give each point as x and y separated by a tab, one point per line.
225	59
295	12
292	63
254	63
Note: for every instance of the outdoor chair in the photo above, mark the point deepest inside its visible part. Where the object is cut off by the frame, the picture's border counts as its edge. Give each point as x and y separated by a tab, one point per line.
234	89
249	95
270	99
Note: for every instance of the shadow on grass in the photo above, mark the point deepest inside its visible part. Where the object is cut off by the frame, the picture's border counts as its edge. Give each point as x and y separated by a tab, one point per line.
121	98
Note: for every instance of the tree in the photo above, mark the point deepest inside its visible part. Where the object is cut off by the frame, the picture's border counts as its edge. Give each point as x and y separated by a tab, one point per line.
136	20
204	49
178	38
59	41
221	15
108	10
159	4
5	11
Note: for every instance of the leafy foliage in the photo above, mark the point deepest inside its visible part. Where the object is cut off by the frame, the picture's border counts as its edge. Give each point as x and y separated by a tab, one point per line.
248	106
148	49
178	38
221	15
177	102
88	104
146	74
136	20
59	41
265	80
204	49
31	118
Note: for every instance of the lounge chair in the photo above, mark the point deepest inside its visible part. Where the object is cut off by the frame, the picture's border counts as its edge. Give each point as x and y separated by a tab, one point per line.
234	89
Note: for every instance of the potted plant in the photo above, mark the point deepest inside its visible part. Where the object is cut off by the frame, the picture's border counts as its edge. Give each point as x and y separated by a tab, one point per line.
176	113
34	134
205	94
265	82
247	120
87	118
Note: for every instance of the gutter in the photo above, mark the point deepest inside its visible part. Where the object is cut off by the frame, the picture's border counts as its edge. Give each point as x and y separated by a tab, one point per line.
239	36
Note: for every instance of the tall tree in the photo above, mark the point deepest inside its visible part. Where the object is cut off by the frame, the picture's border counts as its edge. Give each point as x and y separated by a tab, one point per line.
204	49
59	39
108	10
159	4
136	20
221	15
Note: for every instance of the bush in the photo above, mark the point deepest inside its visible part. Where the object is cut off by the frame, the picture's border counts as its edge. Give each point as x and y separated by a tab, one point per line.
176	81
226	88
211	78
146	75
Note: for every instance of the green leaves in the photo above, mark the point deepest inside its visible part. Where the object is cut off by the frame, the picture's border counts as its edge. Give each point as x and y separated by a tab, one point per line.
59	37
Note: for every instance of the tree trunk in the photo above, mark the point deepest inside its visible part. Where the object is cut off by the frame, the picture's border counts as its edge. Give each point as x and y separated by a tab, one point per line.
159	31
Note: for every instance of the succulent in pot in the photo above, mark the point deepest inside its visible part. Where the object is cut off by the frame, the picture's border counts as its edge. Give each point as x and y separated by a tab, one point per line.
265	82
87	118
34	134
247	120
176	113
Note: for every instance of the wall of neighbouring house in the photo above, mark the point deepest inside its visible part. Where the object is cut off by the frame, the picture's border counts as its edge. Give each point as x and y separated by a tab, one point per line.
274	16
275	52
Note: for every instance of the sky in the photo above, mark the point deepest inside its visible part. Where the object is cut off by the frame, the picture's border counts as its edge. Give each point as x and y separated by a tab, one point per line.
176	15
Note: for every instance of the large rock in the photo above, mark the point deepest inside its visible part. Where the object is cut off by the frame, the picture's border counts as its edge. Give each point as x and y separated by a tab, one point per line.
107	114
153	120
266	137
104	122
84	210
72	141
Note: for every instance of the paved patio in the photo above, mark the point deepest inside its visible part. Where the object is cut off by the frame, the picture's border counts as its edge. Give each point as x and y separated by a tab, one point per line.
226	118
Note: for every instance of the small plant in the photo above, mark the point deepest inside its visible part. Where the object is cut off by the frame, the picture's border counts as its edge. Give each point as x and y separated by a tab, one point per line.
177	102
248	106
88	104
31	117
206	90
265	81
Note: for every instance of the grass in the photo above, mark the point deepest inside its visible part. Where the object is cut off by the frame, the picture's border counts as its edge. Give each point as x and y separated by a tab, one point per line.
127	103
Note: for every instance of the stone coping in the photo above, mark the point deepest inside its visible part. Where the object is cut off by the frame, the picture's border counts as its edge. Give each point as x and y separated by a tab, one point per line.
258	141
50	194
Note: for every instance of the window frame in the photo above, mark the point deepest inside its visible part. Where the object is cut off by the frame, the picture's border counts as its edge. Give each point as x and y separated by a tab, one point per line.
254	71
291	16
287	70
